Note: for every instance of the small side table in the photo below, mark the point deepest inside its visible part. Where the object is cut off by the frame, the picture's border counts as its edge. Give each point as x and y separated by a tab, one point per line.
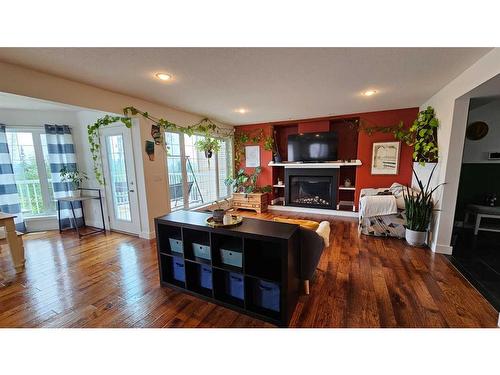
81	199
481	212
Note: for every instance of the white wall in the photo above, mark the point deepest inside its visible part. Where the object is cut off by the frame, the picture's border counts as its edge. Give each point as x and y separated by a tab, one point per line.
77	121
451	104
477	151
22	81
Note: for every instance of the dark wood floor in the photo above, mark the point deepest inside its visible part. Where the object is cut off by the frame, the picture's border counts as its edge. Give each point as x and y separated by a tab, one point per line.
112	281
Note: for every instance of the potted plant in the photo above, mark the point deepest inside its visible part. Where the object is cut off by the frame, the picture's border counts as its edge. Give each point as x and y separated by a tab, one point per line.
208	145
75	177
418	209
244	183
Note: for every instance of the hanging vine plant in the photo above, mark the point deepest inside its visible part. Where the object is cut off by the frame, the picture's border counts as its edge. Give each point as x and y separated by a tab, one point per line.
422	135
204	127
95	144
253	137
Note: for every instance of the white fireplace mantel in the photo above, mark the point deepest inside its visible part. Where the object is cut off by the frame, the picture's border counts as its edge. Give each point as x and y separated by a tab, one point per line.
333	164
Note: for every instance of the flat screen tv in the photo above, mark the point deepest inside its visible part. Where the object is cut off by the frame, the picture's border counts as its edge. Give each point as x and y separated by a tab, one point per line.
311	147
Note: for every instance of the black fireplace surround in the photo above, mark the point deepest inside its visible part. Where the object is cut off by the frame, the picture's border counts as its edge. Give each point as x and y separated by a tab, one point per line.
311	187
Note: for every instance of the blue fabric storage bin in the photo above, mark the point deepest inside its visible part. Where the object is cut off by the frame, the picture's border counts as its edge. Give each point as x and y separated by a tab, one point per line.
175	246
179	273
267	295
235	285
205	273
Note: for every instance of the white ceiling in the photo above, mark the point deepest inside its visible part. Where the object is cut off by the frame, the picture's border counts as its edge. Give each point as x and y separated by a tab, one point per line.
272	83
11	101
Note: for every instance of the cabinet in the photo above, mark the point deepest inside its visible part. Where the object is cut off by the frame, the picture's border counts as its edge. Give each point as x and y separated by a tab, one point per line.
252	201
267	284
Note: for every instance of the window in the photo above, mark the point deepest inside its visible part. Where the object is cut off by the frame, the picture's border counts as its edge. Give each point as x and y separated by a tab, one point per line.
29	157
193	179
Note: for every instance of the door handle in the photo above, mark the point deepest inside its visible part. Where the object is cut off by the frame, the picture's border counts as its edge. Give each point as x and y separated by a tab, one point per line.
131	191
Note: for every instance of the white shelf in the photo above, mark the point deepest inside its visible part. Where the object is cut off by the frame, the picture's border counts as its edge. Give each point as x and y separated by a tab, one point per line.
315	211
279	186
333	164
346	203
347	188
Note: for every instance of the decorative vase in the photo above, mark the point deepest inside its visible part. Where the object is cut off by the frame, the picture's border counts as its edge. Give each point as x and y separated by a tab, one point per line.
277	158
347	182
208	154
416	238
218	215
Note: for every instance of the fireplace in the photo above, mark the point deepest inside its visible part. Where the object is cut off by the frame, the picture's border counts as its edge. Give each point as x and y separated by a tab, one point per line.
311	187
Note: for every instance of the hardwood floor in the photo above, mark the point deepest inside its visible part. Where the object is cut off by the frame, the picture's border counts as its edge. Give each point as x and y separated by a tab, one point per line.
112	281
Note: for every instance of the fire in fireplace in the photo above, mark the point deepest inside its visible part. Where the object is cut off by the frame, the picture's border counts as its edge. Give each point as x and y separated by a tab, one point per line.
314	187
311	190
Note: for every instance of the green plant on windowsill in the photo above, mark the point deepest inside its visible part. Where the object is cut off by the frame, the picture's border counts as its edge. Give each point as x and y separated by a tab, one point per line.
208	145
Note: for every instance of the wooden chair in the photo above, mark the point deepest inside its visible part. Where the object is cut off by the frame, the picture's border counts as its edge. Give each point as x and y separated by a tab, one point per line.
3	240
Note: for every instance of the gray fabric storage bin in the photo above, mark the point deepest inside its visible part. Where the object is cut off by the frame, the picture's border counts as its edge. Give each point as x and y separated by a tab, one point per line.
176	246
231	258
201	251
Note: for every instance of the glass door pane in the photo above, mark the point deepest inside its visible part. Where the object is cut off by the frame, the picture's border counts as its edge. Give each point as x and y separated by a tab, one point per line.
174	165
118	175
52	201
23	157
202	179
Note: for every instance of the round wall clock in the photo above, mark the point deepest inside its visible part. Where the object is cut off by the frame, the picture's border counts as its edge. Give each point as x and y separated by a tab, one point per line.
476	130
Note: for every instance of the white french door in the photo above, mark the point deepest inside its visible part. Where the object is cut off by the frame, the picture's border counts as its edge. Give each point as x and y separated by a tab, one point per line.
119	174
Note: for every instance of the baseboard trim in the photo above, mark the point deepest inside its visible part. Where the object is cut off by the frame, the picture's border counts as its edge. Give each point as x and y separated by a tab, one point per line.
442	249
147	235
315	211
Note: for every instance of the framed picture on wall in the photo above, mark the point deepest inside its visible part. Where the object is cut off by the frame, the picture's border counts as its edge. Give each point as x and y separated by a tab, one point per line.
385	158
252	156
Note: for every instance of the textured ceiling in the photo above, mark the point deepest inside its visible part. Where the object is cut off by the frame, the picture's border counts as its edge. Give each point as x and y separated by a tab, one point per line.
272	83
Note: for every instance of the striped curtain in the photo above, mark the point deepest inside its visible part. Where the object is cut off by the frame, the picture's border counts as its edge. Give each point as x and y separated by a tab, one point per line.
62	153
9	197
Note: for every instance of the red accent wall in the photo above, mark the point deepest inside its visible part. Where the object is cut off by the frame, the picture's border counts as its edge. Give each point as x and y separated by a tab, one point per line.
347	144
314	126
364	178
266	177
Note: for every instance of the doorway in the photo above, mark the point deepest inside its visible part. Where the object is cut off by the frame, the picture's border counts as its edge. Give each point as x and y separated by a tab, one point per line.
476	231
120	177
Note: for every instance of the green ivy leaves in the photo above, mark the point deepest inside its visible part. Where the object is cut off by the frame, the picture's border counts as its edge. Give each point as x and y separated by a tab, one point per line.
95	145
205	126
421	135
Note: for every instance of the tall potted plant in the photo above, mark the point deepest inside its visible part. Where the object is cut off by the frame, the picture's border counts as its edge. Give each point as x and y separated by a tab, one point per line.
418	209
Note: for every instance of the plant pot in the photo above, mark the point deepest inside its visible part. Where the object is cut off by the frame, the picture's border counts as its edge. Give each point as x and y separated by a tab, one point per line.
208	154
416	238
218	215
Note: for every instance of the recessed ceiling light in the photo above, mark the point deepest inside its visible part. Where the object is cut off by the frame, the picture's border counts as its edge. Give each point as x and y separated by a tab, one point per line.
369	92
241	110
163	76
